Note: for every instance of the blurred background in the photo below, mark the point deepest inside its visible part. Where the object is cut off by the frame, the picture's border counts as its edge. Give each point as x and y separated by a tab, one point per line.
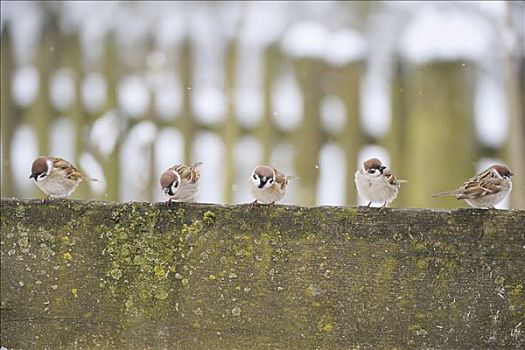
124	90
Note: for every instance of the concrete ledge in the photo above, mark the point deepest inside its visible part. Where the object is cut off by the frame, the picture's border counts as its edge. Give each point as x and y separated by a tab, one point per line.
93	275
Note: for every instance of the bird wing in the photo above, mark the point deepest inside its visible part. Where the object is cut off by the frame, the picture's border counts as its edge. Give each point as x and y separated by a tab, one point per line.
69	169
392	179
188	173
481	185
281	179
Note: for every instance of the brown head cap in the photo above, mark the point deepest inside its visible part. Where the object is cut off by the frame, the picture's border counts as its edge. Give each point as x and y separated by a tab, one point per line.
39	167
502	170
372	163
264	170
168	178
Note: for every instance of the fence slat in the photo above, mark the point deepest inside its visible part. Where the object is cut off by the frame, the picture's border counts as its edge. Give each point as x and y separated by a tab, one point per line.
440	145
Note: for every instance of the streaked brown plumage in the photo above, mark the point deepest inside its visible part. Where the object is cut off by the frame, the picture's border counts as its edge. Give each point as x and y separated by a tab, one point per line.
268	184
180	183
376	183
56	177
486	189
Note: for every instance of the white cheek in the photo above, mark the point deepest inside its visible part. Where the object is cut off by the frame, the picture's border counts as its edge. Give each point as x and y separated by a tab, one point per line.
268	184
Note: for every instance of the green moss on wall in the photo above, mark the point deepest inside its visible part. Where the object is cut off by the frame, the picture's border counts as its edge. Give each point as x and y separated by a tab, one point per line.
137	275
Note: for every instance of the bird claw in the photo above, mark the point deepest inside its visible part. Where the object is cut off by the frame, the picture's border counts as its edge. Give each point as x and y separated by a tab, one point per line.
254	204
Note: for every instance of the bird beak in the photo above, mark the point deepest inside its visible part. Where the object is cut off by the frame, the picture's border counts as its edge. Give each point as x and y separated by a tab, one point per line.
32	176
381	168
511	174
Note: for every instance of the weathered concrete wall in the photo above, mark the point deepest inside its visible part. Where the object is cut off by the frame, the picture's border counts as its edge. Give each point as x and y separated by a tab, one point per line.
91	275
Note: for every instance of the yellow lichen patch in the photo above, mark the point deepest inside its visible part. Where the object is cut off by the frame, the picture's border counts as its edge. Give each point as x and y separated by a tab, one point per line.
67	256
328	328
74	291
212	277
208	217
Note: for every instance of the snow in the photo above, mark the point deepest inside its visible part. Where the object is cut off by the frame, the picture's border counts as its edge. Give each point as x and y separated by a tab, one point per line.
345	46
62	88
444	34
167	88
92	169
62	138
94	91
208	47
170	29
305	39
248	94
375	104
263	23
24	149
105	132
313	40
490	111
208	103
26	20
209	149
333	114
248	106
287	102
135	161
332	182
25	85
133	96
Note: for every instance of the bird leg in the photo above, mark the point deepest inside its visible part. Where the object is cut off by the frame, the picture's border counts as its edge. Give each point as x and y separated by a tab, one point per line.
45	200
271	205
368	205
254	204
382	207
168	203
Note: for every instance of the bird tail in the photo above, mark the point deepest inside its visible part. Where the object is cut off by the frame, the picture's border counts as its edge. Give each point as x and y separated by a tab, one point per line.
196	165
292	177
446	194
402	181
91	179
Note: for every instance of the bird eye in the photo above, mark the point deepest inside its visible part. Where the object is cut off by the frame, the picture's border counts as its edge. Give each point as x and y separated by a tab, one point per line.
371	171
176	184
270	181
254	177
41	176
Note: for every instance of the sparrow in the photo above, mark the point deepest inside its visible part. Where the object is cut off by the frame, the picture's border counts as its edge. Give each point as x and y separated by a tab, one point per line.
267	185
56	177
484	190
180	183
376	183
